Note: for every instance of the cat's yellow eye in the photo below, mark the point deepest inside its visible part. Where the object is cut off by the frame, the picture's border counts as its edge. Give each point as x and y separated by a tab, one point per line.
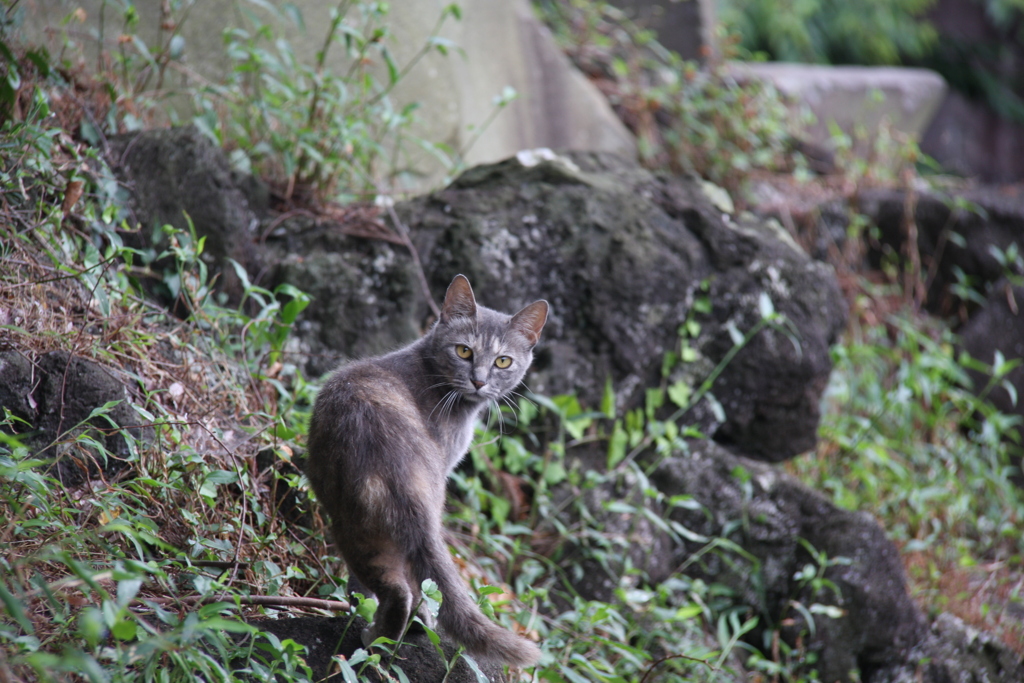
503	362
463	351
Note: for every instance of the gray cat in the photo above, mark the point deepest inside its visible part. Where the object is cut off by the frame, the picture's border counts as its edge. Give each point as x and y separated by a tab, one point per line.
385	435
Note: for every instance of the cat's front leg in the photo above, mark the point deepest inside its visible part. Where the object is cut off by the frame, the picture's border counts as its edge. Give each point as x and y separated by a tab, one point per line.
394	609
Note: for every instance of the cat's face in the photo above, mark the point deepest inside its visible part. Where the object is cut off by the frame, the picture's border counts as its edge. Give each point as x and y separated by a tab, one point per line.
482	353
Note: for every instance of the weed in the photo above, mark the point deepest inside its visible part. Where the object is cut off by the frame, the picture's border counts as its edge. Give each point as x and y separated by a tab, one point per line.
686	118
908	438
304	126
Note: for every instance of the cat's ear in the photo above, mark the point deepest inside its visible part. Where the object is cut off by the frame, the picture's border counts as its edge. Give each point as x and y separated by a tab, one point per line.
530	321
459	301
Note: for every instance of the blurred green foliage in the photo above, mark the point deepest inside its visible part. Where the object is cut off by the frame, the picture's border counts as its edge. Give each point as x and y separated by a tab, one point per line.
989	67
831	31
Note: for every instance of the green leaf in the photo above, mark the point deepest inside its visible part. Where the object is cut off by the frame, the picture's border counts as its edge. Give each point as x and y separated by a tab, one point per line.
554	473
124	629
500	508
176	48
208	490
680	393
127	589
402	678
734	332
655	400
347	673
830	611
608	399
366	607
617	445
230	625
292	11
689	612
102	410
577	426
358	657
620	506
475	668
393	72
453	10
91	626
668	362
516	458
572	675
765	306
219	477
14	609
566	405
432	595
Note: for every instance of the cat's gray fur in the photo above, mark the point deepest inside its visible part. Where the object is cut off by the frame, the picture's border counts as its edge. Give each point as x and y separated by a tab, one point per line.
387	432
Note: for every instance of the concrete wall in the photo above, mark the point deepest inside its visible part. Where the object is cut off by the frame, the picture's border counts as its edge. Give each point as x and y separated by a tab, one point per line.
503	43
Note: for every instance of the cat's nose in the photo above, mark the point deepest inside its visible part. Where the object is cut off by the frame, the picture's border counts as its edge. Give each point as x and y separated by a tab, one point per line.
478	384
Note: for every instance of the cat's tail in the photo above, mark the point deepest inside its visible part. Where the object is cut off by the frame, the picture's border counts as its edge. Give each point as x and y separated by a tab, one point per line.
462	618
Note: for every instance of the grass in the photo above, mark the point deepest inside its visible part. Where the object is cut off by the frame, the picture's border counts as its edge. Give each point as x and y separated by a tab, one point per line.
906	437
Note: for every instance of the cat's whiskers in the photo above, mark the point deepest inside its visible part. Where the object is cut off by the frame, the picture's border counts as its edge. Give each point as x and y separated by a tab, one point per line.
512	407
498	417
445	400
450	400
494	413
524	396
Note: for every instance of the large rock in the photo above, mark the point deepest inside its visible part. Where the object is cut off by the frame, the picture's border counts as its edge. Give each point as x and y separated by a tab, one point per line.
54	396
965	240
854	97
977	132
684	27
622	256
366	296
770	513
827	579
999	328
970	138
953	651
178	177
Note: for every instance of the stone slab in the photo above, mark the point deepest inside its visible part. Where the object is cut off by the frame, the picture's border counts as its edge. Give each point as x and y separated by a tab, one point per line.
854	96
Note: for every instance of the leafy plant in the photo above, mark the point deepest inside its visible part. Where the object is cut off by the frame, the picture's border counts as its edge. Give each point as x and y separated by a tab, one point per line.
831	32
305	126
686	118
909	438
87	574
